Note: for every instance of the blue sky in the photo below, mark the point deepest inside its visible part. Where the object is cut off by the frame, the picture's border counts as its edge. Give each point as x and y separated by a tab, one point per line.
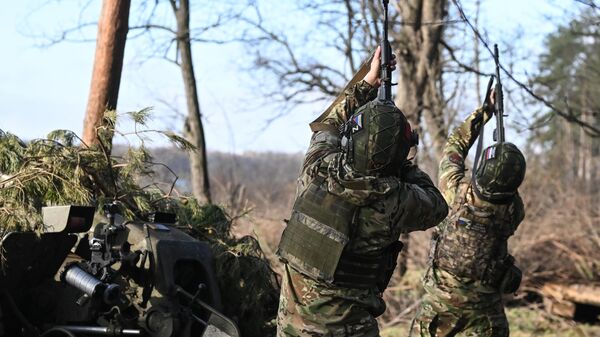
42	89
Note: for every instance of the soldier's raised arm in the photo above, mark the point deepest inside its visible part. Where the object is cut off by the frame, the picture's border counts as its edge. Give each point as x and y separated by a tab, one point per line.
325	139
422	203
452	166
358	94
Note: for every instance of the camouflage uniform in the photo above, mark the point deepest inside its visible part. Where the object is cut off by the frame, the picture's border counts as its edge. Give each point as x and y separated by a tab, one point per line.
386	207
455	303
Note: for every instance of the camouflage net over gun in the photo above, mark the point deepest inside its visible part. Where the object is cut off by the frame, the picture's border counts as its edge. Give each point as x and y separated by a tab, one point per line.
60	170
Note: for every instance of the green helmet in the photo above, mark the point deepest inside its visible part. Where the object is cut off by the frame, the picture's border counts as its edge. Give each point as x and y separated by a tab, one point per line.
377	139
500	172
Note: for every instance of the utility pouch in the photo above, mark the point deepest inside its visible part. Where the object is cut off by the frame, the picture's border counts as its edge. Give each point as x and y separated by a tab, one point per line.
367	272
511	280
389	265
317	232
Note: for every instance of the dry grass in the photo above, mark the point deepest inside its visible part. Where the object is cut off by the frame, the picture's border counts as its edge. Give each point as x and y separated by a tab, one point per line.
524	322
559	240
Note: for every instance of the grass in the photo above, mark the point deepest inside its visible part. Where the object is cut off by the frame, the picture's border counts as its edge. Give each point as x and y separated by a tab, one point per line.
525	322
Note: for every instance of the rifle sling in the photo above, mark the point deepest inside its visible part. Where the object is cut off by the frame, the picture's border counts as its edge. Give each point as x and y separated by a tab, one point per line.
317	124
478	151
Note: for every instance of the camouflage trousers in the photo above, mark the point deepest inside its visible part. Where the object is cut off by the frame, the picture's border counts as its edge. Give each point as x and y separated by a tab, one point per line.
437	318
308	308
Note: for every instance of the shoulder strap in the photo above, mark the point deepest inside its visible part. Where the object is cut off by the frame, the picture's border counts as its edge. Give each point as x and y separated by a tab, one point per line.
317	124
478	152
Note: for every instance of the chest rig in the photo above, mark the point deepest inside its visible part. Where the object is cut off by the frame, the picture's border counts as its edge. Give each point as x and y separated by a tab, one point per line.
472	242
315	239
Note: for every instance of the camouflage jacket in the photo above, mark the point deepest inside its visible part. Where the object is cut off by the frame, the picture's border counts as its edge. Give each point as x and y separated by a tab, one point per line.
387	207
456	188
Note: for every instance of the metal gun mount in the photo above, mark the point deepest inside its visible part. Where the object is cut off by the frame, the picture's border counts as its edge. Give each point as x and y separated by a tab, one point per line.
67	219
130	278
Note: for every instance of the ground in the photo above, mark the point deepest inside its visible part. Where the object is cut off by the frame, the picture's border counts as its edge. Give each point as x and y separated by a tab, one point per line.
525	322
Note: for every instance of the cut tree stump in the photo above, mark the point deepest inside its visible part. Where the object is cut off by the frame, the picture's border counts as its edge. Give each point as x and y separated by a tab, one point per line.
577	302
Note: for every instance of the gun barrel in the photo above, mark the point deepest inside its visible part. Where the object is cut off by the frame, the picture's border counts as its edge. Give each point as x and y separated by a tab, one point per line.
385	91
98	330
499	104
93	287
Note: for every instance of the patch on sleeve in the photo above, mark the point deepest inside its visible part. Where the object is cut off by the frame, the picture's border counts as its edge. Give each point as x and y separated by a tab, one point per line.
357	122
455	158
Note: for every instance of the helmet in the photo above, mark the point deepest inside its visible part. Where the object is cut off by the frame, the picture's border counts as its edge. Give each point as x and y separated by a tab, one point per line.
499	173
377	139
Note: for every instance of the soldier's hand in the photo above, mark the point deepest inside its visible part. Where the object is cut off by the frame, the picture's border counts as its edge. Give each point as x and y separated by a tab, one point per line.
489	105
373	76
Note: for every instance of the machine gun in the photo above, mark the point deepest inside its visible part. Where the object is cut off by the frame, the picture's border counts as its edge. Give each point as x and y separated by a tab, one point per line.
131	278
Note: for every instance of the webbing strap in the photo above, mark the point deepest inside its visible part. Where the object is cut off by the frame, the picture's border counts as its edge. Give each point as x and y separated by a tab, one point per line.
317	124
478	152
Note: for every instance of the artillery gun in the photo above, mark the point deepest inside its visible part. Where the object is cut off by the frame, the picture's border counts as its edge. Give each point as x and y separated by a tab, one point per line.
123	278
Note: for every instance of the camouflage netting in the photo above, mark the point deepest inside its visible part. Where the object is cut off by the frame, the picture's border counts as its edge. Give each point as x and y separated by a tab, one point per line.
59	170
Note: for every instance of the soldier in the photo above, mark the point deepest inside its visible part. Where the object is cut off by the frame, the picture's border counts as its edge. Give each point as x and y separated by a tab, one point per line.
470	267
341	243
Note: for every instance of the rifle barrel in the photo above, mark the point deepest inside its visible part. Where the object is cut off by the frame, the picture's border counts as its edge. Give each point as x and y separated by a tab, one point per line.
499	104
385	91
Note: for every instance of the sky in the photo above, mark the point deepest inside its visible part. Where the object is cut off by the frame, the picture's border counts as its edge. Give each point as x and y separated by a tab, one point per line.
46	88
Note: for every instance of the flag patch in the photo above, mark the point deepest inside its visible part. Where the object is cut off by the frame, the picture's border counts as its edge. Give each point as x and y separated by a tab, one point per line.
490	153
357	123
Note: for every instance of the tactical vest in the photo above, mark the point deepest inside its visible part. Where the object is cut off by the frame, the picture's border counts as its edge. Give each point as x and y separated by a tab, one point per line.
315	238
472	242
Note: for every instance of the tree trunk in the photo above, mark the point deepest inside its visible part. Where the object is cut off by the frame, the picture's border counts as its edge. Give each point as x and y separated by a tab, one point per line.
193	124
108	64
419	82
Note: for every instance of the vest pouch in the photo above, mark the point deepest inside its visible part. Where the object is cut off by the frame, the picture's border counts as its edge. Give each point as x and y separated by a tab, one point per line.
390	262
317	232
367	271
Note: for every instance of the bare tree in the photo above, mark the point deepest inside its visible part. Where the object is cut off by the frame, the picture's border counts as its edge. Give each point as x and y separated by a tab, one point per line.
348	31
419	45
182	36
193	125
172	42
108	64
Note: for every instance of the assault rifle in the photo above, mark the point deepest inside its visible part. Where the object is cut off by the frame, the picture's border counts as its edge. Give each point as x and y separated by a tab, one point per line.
486	105
498	109
385	91
499	104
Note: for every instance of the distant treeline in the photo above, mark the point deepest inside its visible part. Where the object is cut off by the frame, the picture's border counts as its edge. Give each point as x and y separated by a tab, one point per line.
264	180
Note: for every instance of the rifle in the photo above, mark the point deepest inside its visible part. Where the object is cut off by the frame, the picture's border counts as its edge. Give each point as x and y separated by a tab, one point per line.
486	103
385	91
499	104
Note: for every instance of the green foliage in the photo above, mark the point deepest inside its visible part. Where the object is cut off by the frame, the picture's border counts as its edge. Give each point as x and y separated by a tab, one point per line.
61	170
569	76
